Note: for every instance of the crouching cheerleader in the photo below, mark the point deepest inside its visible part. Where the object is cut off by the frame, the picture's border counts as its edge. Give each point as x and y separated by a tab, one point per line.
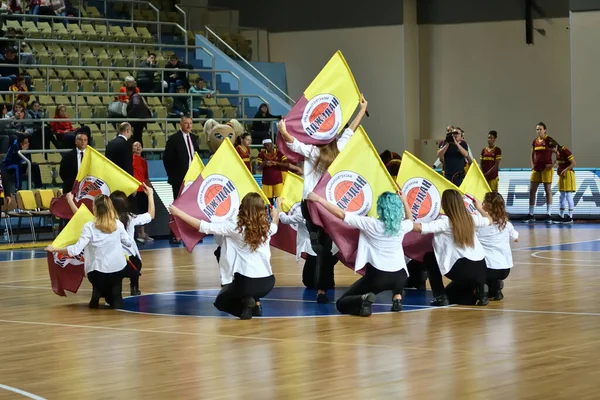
102	242
379	250
458	253
248	253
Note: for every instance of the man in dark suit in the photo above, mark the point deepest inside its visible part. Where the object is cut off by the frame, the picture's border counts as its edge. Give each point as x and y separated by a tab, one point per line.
179	153
119	150
71	161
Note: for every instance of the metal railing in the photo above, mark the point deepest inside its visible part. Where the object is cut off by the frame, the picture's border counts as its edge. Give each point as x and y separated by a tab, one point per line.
280	92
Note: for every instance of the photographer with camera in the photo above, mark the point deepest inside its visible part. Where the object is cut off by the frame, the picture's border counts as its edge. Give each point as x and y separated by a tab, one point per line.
454	153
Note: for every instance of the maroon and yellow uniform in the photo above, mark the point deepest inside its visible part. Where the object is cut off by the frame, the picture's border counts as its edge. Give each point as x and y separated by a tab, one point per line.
566	181
272	178
488	158
245	156
542	158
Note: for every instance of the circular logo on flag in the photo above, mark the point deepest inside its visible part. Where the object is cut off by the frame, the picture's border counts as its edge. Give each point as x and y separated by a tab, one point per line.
62	260
322	117
350	191
423	199
470	204
218	198
294	209
90	187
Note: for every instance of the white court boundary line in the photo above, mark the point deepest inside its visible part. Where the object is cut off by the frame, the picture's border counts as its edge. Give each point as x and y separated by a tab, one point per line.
21	392
536	255
554	244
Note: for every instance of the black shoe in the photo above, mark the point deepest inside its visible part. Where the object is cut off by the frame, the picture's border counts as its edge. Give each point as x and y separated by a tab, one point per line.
135	291
497	295
257	311
529	218
440	301
548	218
367	300
567	219
397	305
322	298
248	304
174	241
481	293
558	220
95	301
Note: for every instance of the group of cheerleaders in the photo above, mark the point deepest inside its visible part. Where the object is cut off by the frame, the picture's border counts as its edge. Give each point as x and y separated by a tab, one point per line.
473	251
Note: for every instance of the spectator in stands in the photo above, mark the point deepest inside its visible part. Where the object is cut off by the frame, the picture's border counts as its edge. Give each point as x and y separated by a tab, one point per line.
19	119
145	77
36	113
34	7
200	92
14	6
5	134
140	172
261	130
21	88
12	161
71	162
181	104
16	43
175	78
129	83
137	108
64	131
119	150
8	68
58	6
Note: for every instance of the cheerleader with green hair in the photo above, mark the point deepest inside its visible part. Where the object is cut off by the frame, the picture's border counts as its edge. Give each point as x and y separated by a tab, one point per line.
379	249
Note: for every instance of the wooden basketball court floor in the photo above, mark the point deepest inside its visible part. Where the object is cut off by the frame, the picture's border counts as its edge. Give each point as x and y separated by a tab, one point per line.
541	342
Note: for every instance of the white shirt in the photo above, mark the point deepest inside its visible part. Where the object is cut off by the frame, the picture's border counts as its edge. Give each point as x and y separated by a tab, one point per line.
496	244
79	156
187	146
135	220
446	251
103	252
311	155
252	264
382	251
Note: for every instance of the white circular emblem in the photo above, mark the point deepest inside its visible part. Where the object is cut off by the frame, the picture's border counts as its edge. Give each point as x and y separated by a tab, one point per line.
218	198
322	117
351	192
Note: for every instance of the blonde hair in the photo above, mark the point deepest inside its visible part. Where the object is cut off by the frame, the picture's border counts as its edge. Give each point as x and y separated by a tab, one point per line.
327	153
105	215
461	222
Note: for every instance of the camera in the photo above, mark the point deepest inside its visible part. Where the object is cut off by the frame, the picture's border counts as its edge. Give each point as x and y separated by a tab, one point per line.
449	138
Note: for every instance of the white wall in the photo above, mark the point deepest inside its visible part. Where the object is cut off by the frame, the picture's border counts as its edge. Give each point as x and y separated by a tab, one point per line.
585	86
484	76
375	56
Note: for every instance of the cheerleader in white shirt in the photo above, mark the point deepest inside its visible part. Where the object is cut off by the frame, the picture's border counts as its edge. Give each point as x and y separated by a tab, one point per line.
379	249
248	252
294	217
458	253
495	240
316	161
130	221
102	242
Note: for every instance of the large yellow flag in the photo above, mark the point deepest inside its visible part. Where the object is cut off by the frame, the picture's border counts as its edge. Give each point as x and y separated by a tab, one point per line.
194	171
475	183
66	272
423	188
325	107
216	194
292	191
354	182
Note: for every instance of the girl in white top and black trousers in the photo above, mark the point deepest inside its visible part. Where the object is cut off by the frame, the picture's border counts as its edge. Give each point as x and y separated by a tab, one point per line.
130	221
316	161
379	249
102	242
458	253
248	253
495	240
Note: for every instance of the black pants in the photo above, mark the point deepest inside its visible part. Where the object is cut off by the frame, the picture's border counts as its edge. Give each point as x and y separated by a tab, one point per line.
465	275
374	281
321	244
494	276
230	297
456	178
133	270
137	129
109	286
417	275
309	272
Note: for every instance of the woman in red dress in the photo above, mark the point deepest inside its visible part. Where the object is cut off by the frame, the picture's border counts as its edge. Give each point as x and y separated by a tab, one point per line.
140	172
242	146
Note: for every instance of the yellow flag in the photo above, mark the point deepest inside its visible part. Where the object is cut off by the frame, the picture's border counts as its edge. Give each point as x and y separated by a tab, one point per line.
98	175
475	183
423	188
358	177
194	171
292	191
72	231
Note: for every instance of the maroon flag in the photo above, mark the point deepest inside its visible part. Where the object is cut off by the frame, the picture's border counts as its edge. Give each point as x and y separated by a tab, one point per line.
66	273
285	238
417	245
